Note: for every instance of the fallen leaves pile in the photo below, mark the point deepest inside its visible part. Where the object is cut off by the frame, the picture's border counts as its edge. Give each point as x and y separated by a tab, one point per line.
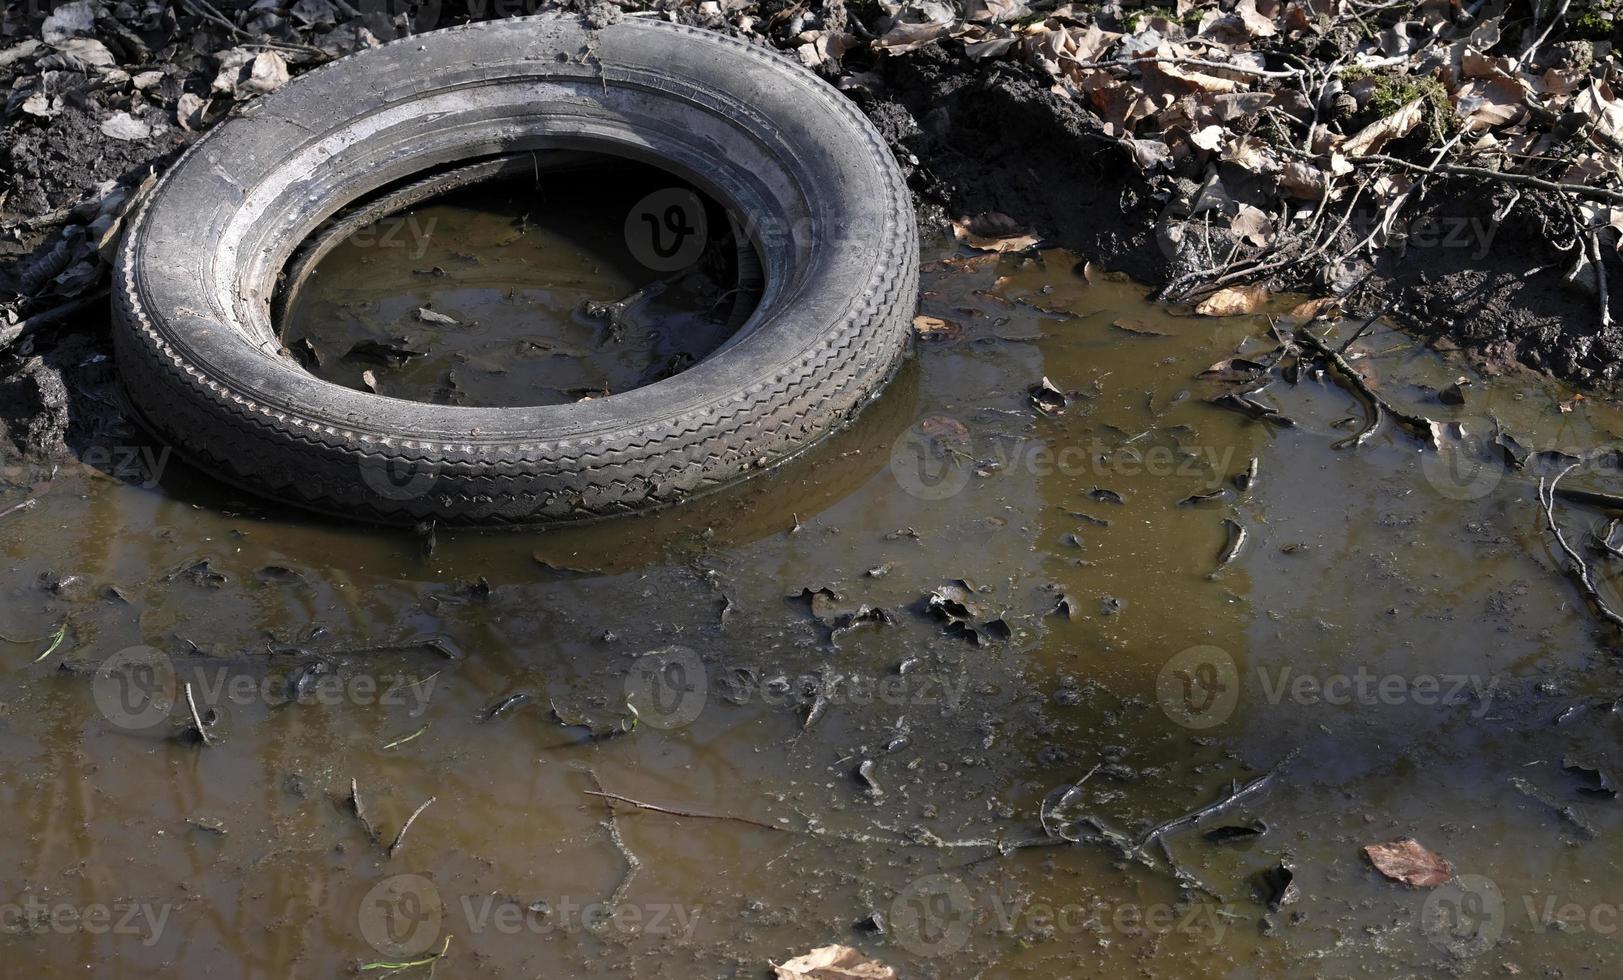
1283	120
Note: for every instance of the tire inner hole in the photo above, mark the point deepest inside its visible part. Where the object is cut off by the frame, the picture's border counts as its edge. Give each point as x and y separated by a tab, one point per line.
528	279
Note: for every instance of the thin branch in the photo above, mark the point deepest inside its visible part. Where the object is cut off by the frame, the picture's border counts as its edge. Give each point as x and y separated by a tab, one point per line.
400	838
1577	567
1605	194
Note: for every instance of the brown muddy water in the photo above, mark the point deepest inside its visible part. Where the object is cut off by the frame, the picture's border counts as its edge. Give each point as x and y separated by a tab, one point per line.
1396	641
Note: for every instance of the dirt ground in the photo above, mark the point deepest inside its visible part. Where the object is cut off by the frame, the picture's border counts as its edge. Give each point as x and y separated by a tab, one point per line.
103	96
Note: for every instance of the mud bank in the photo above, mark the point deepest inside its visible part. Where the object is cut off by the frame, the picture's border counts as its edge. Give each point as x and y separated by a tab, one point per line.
104	96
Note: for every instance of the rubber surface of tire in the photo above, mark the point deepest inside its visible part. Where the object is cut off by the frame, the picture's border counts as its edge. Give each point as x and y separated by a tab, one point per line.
819	192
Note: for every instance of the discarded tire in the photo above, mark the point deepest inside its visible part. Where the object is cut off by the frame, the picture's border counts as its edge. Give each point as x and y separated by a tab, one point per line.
824	203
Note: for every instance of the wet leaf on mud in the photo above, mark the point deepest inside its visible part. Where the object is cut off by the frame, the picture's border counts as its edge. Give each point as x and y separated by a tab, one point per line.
1233	301
993	231
834	963
1407	861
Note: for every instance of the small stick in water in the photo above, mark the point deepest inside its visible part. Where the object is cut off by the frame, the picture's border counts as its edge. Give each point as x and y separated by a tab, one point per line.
401	837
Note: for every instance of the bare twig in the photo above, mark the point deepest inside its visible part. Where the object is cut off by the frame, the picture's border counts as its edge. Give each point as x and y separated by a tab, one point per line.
633	863
197	719
1196	63
51	317
1605	194
359	809
1577	567
28	504
400	838
1418	425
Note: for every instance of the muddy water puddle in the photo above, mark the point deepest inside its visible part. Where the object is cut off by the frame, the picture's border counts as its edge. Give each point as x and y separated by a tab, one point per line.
854	696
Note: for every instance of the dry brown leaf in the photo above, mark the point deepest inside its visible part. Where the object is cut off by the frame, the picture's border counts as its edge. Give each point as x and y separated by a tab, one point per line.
993	231
935	328
1406	861
1233	301
1258	23
1303	180
833	963
1377	134
1252	224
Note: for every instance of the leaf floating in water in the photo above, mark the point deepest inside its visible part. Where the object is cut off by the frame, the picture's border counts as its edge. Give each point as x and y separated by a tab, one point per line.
1246	480
834	963
305	353
1406	861
1278	885
1315	308
935	328
1233	301
1047	398
429	316
1598	781
1204	497
1234	369
993	231
1235	832
1137	328
388	354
